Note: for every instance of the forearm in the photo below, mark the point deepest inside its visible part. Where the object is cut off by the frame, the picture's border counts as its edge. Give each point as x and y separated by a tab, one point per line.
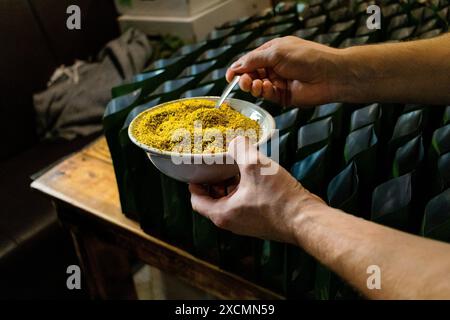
411	267
409	72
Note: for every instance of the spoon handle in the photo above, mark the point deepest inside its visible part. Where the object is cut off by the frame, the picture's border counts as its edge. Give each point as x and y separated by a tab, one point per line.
227	90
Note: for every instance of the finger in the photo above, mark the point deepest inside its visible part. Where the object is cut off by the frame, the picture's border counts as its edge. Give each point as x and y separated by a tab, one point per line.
279	83
202	202
245	83
262	73
245	155
232	69
283	95
253	61
268	91
256	88
229	75
265	45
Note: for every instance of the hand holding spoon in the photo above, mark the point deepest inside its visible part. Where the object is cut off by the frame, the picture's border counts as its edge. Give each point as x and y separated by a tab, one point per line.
227	90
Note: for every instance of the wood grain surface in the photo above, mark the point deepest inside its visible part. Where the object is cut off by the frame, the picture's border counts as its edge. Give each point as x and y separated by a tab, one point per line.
85	182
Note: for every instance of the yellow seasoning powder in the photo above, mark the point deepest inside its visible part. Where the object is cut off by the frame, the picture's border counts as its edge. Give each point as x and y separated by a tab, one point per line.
193	126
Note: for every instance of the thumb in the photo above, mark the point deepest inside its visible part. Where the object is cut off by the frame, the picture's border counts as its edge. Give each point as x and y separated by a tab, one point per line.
202	202
246	155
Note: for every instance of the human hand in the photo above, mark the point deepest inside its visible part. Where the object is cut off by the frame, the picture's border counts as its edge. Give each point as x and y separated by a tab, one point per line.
263	206
293	71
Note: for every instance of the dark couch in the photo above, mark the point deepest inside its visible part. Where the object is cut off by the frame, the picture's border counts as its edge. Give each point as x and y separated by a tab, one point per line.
34	250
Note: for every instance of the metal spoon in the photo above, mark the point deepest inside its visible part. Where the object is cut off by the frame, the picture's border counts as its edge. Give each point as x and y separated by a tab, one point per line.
227	91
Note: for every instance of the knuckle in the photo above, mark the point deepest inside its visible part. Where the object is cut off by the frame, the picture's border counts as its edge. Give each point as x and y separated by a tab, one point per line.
276	53
222	221
289	38
248	58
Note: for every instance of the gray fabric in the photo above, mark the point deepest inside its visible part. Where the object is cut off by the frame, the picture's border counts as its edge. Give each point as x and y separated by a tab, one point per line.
69	108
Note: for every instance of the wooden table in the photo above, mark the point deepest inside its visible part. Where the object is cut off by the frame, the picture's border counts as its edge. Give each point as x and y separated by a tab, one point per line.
84	190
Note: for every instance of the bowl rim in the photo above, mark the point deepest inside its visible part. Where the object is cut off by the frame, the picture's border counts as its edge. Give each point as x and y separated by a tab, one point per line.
154	151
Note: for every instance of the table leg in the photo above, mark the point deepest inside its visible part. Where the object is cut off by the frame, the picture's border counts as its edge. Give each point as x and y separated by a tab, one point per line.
106	268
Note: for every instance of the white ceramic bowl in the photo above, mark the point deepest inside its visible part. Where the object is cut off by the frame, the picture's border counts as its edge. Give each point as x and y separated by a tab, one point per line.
205	168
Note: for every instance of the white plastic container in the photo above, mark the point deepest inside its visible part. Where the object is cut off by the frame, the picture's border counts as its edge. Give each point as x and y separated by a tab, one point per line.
172	8
197	27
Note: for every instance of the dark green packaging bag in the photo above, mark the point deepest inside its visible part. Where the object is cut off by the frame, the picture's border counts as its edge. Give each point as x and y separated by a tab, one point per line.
260	41
205	238
438	160
342	193
364	116
313	136
237	254
172	89
389	116
140	178
148	81
115	114
270	107
408	126
343	190
436	220
402	33
204	90
272	265
446	119
326	283
312	173
271	255
286	121
443	172
441	140
220	54
337	112
408	157
357	41
238	39
392	202
278	30
198	69
307	34
332	39
177	219
160	71
361	147
319	22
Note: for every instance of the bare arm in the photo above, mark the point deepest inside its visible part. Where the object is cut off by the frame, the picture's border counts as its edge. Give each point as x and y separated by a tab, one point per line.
277	207
292	71
409	72
411	267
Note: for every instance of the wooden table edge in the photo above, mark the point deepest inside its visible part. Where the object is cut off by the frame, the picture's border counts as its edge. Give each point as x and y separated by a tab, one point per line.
255	290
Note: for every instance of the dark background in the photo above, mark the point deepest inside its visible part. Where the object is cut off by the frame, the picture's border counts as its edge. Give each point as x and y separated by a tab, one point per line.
34	250
35	41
